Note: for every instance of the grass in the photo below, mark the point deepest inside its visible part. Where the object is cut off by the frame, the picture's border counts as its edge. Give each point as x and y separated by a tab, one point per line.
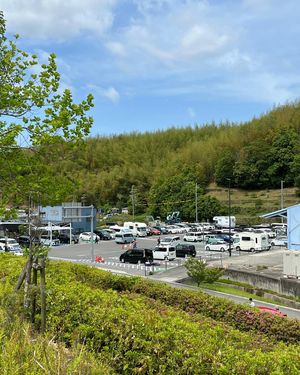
254	202
229	290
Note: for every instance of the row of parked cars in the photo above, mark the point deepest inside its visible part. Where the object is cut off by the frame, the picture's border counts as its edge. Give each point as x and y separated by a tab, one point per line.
160	252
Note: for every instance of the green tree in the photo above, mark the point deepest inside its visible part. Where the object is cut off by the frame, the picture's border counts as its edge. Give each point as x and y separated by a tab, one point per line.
33	110
282	157
224	168
198	271
209	207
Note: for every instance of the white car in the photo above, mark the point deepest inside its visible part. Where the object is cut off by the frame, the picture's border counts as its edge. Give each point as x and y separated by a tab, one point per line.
173	229
87	237
170	240
12	245
47	241
193	237
219	246
279	241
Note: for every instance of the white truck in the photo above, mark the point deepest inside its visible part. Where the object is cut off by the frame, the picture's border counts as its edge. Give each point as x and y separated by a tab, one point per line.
138	229
224	222
251	241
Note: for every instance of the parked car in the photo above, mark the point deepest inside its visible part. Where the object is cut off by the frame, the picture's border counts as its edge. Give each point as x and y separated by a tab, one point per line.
193	237
45	240
218	246
271	310
24	241
211	239
164	252
103	234
65	238
184	250
162	229
124	237
155	231
11	244
170	240
137	256
87	237
279	241
111	232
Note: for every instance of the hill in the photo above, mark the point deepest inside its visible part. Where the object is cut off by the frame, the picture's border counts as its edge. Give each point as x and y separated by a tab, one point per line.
247	205
158	172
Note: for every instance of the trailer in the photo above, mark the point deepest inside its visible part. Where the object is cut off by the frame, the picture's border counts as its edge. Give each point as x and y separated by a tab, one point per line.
251	241
224	221
138	229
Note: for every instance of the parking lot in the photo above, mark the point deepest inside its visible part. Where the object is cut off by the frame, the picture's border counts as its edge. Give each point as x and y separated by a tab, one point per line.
110	252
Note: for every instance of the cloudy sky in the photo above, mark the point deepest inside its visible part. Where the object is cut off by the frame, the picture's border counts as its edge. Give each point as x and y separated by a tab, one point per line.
152	64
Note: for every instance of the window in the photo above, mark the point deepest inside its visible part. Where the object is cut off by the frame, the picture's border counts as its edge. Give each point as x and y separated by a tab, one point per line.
161	249
246	238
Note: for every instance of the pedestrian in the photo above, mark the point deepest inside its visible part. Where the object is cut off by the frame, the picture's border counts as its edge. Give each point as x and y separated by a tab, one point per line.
251	302
158	241
134	244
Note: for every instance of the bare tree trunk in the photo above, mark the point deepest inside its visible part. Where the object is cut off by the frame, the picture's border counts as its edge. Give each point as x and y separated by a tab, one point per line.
21	278
27	284
43	295
34	282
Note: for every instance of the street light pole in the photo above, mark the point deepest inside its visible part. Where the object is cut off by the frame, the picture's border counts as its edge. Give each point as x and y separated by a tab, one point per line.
281	200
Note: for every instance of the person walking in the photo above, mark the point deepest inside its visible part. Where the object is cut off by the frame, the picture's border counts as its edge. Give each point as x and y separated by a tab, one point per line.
158	241
134	244
251	302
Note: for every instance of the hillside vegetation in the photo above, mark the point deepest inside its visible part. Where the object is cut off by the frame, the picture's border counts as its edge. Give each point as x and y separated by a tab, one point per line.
159	171
132	326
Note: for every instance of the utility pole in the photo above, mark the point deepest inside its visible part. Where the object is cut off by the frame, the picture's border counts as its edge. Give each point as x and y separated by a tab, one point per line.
281	200
229	215
196	202
92	233
132	201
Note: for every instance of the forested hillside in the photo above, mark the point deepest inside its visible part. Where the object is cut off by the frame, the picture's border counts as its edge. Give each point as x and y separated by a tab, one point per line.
162	168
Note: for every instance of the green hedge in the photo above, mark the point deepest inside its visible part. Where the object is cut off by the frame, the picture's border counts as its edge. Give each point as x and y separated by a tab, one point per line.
135	334
239	316
137	326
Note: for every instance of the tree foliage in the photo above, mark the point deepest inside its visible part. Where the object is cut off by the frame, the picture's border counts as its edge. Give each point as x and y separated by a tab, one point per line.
198	271
34	114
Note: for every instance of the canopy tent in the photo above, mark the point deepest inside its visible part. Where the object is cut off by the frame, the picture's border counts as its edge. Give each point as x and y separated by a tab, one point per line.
52	228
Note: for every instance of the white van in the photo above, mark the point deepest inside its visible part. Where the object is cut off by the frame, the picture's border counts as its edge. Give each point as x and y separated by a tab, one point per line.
164	252
124	237
251	241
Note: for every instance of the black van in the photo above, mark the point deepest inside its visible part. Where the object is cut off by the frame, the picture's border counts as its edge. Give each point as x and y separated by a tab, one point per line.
183	250
137	256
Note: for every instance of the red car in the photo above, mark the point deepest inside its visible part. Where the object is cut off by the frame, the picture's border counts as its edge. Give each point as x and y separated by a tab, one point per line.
155	232
270	310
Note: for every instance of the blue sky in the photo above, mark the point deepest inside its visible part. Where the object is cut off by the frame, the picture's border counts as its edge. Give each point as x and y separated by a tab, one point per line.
153	64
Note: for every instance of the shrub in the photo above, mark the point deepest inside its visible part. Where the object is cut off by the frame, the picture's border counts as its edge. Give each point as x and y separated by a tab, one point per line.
198	271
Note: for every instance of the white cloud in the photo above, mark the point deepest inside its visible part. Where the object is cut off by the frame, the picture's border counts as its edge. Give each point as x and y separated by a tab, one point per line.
112	94
56	19
191	112
239	49
109	93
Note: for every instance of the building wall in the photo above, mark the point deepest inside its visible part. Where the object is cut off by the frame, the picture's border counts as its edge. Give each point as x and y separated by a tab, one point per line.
76	214
293	222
